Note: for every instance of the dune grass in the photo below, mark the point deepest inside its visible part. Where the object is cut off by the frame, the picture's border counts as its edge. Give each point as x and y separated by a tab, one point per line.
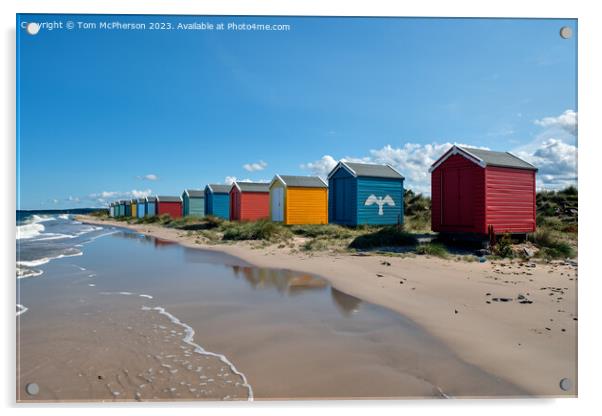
550	244
255	230
389	236
433	249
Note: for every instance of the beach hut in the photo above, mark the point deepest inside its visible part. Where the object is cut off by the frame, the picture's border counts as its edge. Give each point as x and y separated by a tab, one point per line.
299	200
361	193
134	204
217	200
171	205
480	191
127	212
121	209
141	208
150	206
249	201
193	203
111	209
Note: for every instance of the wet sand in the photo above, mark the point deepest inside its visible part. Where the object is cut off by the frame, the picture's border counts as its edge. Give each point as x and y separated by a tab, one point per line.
139	318
529	341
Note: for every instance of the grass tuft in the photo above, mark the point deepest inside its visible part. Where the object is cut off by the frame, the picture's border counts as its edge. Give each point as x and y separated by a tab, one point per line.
433	249
255	230
550	244
389	236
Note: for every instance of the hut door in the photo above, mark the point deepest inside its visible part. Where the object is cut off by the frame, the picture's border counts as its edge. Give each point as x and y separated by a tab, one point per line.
457	197
466	203
234	206
451	197
278	204
342	200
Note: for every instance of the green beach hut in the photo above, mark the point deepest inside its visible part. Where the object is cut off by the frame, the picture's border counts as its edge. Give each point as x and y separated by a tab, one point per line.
193	203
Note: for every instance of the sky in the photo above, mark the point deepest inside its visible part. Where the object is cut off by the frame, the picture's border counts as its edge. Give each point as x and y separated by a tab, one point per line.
105	114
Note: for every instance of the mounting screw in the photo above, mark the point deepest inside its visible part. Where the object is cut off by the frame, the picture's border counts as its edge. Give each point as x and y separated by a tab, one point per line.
32	28
566	32
32	389
565	384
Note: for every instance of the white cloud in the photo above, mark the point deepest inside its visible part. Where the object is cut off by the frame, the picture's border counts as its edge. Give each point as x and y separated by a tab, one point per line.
141	194
321	167
557	164
555	159
231	179
554	151
567	121
104	196
255	167
149	177
412	160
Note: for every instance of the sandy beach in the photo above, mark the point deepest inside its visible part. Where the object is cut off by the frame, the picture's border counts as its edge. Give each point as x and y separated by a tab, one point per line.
133	317
514	320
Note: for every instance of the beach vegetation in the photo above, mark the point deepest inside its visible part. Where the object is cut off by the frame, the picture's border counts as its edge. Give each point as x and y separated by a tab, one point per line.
333	231
433	249
101	213
551	245
503	247
389	236
316	244
255	230
557	224
417	212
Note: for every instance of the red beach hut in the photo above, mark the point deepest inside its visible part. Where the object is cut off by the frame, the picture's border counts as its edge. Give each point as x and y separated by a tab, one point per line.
171	205
249	201
481	192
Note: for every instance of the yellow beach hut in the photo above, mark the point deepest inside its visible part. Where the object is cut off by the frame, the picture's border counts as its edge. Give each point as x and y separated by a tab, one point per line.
299	200
134	208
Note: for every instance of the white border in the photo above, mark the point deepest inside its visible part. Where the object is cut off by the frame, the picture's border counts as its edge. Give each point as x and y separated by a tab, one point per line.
590	288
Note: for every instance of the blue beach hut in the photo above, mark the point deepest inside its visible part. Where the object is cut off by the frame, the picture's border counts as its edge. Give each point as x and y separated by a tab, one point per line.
150	206
141	208
193	203
128	208
217	200
361	193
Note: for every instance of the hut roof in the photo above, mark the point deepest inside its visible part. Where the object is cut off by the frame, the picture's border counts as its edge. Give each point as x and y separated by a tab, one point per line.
194	193
219	189
150	199
301	181
252	186
368	169
168	198
485	158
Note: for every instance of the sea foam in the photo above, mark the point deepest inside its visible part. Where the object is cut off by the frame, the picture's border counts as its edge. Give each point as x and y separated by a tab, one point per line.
33	227
189	339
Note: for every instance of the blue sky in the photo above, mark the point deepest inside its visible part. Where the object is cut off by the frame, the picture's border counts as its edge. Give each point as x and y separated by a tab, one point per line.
106	114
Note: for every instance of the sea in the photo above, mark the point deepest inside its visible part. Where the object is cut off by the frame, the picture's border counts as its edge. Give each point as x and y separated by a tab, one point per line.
43	236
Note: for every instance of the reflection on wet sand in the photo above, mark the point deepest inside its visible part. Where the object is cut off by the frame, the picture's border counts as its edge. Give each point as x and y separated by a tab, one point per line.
345	303
284	281
157	242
